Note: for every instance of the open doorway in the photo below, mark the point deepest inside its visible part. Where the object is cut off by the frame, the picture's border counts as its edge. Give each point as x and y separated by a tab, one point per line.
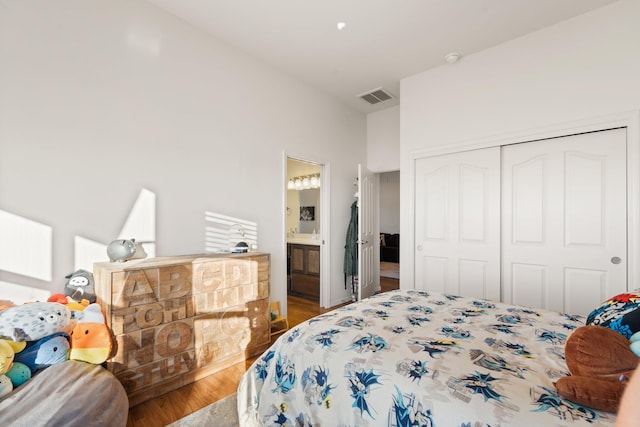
389	217
303	222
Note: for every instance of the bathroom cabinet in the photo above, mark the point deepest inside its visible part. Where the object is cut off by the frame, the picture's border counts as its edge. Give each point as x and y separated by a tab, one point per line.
304	270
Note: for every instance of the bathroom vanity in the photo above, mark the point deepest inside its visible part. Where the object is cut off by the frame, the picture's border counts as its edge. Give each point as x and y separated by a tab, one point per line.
303	262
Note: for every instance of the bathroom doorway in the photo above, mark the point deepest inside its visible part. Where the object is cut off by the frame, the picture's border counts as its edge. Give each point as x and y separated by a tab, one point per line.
389	217
304	228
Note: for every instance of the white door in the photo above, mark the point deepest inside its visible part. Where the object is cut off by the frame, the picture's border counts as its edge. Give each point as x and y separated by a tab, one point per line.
564	218
457	230
366	240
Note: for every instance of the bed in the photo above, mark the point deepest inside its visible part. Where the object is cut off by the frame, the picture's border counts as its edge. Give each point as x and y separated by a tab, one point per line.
409	358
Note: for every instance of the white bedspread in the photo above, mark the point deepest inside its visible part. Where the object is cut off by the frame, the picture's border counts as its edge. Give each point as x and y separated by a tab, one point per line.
412	358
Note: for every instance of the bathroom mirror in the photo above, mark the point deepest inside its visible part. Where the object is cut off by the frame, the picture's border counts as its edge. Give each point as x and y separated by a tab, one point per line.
309	211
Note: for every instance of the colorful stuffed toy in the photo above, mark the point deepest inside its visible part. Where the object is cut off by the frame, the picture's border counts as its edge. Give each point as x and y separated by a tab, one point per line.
91	338
32	321
74	306
19	374
17	346
6	386
45	352
80	286
6	362
60	298
618	313
10	369
601	362
6	356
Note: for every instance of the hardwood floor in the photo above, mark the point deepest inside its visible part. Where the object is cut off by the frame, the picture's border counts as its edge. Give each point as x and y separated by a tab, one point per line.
181	402
387	284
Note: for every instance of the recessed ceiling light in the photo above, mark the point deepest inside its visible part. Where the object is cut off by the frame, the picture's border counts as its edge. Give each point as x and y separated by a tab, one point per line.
341	25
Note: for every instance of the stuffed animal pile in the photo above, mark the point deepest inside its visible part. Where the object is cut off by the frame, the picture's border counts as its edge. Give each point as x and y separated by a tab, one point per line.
603	354
34	336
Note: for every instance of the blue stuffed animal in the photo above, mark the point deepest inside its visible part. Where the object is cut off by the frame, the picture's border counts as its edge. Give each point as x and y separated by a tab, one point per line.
45	352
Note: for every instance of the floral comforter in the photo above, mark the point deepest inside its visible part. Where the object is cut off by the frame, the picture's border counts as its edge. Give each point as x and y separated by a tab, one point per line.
416	358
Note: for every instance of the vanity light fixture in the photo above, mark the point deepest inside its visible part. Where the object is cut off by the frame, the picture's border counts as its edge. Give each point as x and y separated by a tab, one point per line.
304	182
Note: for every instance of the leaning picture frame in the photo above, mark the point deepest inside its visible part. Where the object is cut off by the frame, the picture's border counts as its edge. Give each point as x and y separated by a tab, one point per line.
307	213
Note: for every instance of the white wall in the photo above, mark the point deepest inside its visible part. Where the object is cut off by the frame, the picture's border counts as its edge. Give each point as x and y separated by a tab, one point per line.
578	70
101	99
383	140
390	202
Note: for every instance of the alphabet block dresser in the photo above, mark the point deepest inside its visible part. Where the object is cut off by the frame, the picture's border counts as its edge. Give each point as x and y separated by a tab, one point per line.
179	319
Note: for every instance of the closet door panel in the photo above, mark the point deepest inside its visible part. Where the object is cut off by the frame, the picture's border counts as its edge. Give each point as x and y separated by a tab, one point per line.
436	224
434	271
469	273
457	230
473	181
584	199
564	208
529	283
528	200
582	287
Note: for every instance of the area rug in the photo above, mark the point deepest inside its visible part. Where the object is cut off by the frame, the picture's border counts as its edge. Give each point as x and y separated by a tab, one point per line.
390	270
223	413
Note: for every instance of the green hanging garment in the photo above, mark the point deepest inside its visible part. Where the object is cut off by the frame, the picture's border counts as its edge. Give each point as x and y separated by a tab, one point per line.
351	246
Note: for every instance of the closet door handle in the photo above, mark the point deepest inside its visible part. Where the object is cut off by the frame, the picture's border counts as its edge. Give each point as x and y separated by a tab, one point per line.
419	247
616	260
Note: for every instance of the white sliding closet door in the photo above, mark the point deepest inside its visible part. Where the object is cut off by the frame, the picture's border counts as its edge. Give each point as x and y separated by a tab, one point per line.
564	217
457	230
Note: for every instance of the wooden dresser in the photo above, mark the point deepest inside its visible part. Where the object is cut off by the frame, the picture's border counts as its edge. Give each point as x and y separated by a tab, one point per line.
178	319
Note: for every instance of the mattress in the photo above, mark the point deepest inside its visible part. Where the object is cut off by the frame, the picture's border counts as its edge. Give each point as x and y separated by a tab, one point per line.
417	358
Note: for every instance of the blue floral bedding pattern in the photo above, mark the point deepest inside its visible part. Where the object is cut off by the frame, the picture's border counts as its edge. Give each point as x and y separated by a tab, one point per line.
416	358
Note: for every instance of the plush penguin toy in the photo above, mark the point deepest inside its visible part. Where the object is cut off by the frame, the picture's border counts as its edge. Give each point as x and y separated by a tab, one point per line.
80	286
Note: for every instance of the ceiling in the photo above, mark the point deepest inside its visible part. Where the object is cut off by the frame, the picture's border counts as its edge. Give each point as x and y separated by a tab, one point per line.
382	42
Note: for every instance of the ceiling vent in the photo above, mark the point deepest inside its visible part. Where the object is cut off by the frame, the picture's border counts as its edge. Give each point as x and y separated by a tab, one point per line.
375	96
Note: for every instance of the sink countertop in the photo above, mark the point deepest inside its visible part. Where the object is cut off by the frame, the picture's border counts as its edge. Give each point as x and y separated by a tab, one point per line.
304	241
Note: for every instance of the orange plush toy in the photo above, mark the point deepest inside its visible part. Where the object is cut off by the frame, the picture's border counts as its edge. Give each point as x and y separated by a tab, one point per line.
601	363
91	339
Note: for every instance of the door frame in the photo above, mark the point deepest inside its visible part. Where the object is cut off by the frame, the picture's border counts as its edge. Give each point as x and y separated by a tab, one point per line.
629	120
325	223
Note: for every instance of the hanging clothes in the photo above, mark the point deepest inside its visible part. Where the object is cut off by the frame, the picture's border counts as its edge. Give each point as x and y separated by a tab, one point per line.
351	248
